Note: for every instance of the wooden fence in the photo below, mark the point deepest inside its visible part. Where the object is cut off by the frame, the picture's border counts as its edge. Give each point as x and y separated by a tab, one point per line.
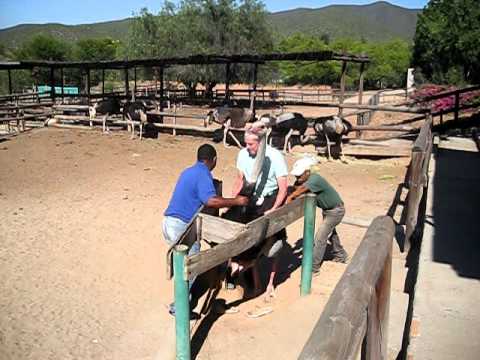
355	318
417	179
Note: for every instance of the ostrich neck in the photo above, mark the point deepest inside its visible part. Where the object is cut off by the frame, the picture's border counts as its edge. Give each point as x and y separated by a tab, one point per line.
259	159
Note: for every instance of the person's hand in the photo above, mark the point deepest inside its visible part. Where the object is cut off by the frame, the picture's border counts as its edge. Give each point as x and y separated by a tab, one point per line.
241	200
289	199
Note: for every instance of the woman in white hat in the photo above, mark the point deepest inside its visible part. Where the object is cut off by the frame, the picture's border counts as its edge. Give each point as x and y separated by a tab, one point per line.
332	207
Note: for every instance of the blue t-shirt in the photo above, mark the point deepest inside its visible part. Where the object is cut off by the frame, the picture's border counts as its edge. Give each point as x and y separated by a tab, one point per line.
193	188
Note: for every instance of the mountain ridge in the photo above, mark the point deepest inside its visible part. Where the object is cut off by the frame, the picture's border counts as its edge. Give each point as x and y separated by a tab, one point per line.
379	21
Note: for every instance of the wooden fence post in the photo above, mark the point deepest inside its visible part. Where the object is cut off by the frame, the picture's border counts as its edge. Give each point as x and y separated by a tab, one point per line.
62	84
418	176
360	83
10	91
457	105
52	83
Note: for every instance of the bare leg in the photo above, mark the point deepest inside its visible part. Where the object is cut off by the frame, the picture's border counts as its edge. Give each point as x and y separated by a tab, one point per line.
257	283
141	129
270	293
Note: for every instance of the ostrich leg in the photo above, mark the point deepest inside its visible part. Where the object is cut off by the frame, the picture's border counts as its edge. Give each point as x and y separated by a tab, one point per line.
131	124
328	148
104	121
226	127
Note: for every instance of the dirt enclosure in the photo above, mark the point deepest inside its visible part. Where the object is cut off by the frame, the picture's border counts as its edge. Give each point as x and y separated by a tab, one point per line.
83	261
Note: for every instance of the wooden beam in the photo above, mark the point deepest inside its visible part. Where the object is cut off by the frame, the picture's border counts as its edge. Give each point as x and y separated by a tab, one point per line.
70	107
375	344
418	177
382	128
10	90
62	84
253	233
218	230
401	109
379	151
342	85
161	87
103	83
360	83
52	84
423	137
200	129
457	106
176	115
88	85
255	74
340	330
134	82
126	82
227	81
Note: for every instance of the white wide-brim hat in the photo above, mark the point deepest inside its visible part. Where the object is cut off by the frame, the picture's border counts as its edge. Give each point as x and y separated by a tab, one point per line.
302	165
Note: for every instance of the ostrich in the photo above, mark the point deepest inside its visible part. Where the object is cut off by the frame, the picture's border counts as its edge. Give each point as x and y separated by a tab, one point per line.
284	125
106	107
135	112
232	117
332	127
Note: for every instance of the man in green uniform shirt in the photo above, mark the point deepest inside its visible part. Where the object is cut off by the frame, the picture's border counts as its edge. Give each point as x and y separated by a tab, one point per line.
332	207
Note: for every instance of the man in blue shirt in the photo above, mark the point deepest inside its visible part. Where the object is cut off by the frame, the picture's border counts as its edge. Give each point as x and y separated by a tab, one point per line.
194	189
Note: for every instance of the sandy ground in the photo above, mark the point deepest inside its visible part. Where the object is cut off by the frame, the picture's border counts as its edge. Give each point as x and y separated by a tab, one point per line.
82	260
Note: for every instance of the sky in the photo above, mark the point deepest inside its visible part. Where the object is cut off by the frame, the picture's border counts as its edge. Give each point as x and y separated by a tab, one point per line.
14	12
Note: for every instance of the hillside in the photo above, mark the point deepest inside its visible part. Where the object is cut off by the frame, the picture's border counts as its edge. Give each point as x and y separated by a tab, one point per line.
375	22
13	36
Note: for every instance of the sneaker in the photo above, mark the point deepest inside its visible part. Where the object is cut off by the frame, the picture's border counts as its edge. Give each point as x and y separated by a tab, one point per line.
171	309
315	272
342	258
230	286
193	315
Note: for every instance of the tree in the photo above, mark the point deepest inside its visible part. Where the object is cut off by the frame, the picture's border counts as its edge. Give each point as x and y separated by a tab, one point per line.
306	72
96	49
202	27
40	47
44	47
93	50
447	41
388	62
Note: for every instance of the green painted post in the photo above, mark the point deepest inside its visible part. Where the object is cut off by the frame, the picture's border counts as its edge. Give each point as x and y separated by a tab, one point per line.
308	236
182	305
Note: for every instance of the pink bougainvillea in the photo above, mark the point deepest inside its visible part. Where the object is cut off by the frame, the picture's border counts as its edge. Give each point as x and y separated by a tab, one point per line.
471	98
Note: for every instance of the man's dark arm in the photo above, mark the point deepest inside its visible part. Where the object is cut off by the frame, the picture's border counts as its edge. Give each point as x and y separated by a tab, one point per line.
221	202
